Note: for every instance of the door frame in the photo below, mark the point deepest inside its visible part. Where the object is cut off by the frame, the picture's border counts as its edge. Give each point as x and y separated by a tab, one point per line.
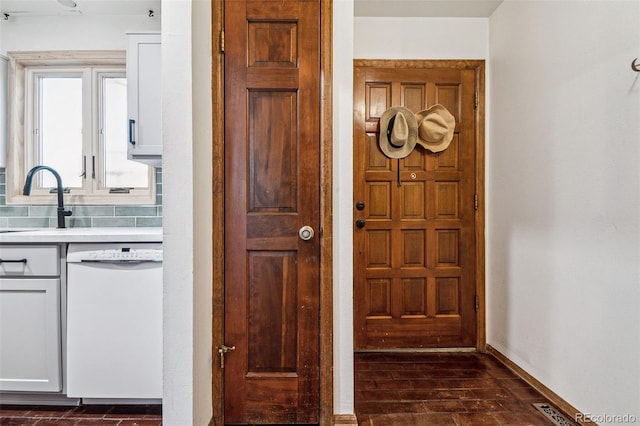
326	216
478	66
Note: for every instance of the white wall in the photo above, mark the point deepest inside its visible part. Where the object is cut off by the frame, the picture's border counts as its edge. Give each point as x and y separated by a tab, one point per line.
374	38
81	32
343	35
187	105
563	255
421	38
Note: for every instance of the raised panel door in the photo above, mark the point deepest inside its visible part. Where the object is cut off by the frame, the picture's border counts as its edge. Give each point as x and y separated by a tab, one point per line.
272	161
414	258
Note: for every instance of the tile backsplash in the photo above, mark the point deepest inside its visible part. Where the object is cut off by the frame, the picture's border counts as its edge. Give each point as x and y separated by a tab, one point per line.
84	216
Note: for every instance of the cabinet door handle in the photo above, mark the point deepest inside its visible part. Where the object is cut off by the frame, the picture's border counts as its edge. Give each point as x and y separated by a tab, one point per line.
14	261
132	124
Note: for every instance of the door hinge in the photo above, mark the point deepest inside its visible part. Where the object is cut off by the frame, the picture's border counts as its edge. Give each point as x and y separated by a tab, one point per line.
477	303
475	201
476	100
223	349
222	41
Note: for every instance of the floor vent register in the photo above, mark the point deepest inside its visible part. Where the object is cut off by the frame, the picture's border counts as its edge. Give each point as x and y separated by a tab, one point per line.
553	415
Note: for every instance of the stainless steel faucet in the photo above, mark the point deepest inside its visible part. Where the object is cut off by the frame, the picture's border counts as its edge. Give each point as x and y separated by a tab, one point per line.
27	191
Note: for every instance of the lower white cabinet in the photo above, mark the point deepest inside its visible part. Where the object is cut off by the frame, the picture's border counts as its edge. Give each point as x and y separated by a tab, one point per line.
30	354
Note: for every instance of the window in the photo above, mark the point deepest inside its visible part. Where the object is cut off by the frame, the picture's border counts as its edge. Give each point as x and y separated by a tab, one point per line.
74	109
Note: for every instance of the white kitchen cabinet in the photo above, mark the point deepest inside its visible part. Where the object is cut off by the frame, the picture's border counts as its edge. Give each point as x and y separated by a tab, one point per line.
144	101
30	318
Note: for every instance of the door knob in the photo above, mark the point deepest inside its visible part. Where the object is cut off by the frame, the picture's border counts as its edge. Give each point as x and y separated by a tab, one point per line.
360	223
306	233
360	205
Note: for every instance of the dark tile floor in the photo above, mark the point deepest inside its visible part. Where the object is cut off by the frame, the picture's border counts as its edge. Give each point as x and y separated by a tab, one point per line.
87	415
392	389
458	389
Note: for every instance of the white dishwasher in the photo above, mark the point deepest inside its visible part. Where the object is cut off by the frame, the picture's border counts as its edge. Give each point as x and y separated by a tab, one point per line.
114	322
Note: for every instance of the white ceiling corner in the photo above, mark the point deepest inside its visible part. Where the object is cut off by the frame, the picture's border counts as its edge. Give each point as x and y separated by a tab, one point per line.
83	7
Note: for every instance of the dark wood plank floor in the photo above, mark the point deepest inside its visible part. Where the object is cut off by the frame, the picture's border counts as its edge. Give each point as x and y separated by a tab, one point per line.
465	388
88	415
391	389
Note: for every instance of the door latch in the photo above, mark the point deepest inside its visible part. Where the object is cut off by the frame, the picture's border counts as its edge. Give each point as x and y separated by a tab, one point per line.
223	350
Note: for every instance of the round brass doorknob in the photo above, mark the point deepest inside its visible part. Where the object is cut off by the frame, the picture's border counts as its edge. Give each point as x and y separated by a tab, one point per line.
306	233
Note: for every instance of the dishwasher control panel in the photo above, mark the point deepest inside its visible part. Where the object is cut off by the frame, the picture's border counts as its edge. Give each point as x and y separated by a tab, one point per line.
120	253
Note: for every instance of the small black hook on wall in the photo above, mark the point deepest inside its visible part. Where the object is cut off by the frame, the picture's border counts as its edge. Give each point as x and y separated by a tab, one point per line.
151	13
635	65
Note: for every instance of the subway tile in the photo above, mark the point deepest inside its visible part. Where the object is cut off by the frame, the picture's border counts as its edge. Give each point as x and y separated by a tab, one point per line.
79	222
42	211
136	210
39	216
28	222
93	210
113	222
148	222
13	211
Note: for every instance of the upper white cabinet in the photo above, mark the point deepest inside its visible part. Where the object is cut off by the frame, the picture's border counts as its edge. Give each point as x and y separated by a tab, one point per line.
144	98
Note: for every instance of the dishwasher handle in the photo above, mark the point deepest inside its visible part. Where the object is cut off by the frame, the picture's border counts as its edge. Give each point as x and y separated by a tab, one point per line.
13	261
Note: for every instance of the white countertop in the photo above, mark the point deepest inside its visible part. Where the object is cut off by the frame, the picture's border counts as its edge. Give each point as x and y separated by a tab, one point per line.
80	235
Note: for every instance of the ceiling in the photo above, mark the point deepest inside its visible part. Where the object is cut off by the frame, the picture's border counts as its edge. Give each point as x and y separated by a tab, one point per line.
84	7
368	8
426	8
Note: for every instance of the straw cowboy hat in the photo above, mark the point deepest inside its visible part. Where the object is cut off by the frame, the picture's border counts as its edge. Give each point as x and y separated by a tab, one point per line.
435	128
398	132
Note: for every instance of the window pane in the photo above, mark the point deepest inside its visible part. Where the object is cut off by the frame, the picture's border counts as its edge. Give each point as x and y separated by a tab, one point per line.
61	129
119	172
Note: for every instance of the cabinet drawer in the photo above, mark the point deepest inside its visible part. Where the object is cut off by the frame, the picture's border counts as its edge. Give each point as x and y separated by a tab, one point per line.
29	260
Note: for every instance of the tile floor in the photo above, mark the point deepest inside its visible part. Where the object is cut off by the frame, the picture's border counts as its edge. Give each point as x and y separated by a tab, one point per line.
392	389
88	415
455	389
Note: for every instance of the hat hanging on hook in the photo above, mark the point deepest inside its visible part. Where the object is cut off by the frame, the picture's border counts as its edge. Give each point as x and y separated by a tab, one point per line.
398	132
435	128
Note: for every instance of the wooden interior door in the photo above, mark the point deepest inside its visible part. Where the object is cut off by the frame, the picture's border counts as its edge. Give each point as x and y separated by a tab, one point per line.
272	163
415	256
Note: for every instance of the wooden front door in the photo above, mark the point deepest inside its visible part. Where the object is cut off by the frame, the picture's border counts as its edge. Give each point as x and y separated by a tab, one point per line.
414	237
272	154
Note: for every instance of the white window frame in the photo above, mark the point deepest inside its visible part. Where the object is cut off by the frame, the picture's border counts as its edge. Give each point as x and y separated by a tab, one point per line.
23	68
